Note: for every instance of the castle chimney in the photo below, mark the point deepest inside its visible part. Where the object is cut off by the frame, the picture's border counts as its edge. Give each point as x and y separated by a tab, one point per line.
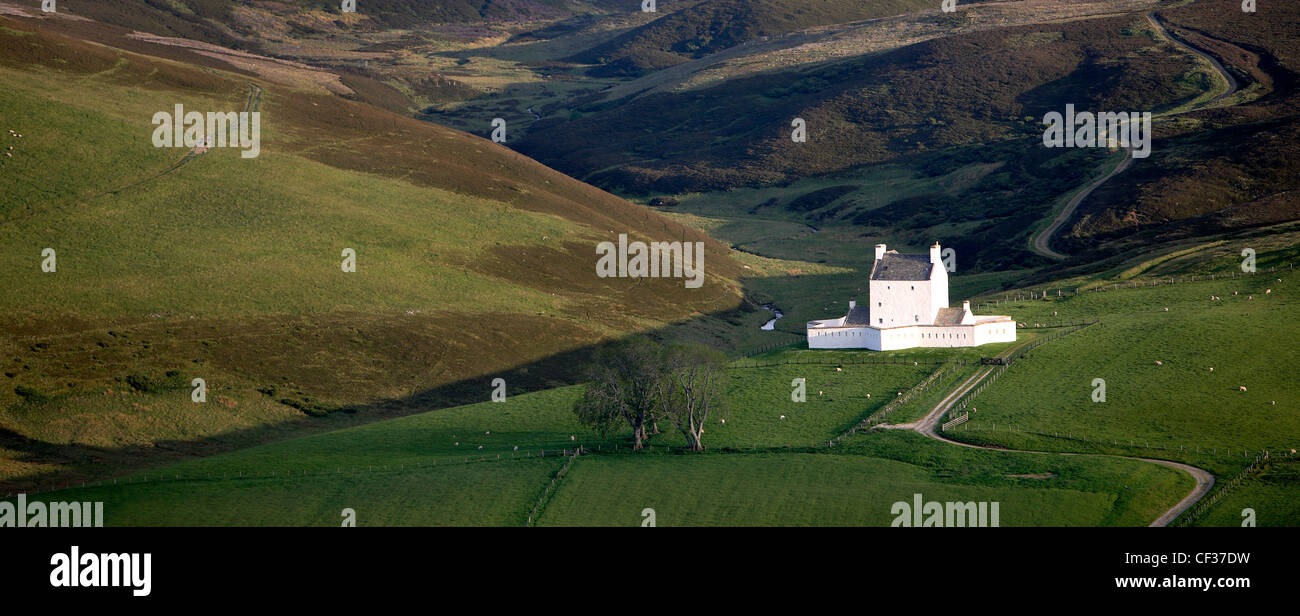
965	306
880	251
852	304
934	253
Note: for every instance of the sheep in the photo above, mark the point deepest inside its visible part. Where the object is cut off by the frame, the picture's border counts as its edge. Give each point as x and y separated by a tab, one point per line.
572	437
783	417
723	422
1166	310
480	446
1267	291
838	369
868	395
516	448
1211	368
487	433
1242	388
1159	363
819	392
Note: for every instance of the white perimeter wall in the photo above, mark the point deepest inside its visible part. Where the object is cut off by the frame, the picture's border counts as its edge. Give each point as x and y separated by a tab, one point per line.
845	338
998	331
912	337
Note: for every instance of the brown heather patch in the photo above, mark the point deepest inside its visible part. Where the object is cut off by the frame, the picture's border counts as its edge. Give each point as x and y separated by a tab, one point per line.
1219	169
954	91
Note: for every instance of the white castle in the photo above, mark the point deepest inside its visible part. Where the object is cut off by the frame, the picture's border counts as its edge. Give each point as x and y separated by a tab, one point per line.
909	308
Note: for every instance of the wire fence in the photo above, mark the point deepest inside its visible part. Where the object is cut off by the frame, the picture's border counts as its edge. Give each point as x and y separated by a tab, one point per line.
1124	446
1224	489
771	347
966	398
817	359
879	416
1030	294
550	488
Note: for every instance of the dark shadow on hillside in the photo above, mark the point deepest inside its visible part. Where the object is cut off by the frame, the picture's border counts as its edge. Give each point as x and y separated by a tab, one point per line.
91	463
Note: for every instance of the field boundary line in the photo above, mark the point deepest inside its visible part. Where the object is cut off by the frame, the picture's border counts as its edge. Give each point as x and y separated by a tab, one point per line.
549	491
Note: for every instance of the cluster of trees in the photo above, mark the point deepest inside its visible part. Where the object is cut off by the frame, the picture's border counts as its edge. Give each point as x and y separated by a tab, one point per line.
641	383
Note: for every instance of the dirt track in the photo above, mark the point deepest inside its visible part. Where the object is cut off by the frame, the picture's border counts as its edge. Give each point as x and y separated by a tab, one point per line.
1044	237
928	425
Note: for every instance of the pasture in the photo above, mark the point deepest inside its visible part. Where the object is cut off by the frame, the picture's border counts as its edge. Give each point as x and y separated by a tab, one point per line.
481	464
1173	378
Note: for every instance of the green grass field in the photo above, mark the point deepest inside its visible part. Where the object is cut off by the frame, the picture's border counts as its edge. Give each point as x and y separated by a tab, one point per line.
474	494
482	464
1271	493
804	489
1178	409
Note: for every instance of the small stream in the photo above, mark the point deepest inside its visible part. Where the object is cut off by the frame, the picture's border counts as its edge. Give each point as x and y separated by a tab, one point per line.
777	314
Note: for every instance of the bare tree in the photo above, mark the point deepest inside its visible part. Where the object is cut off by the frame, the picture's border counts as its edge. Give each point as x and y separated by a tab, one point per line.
692	385
622	384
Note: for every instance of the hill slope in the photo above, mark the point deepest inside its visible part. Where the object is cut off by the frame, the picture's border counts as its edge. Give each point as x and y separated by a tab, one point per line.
715	25
972	88
1230	166
472	261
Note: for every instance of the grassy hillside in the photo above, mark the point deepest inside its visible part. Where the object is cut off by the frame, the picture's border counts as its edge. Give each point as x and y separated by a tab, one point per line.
472	262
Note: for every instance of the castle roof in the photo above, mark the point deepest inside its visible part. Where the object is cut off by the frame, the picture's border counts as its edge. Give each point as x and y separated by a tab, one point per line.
859	316
949	316
895	266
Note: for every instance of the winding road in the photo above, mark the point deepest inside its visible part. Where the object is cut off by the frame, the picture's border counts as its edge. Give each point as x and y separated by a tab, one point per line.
1043	239
928	426
1045	236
